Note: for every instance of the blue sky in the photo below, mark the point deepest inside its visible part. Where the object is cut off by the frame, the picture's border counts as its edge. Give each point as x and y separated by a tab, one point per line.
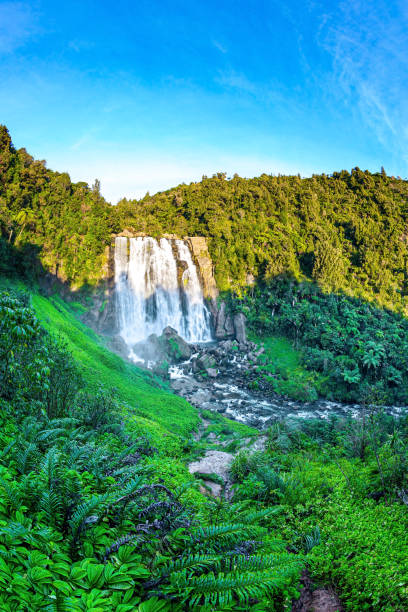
144	95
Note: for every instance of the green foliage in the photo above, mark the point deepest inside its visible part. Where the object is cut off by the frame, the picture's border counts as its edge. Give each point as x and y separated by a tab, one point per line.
43	214
346	515
89	517
347	349
346	231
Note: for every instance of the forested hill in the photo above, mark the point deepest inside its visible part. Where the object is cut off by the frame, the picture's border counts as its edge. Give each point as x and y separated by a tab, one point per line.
42	213
348	231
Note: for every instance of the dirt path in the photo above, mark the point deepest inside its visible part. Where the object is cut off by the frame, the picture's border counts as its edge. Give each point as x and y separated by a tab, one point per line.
316	600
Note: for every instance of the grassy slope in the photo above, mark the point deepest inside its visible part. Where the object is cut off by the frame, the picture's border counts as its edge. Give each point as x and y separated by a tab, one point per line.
138	389
281	365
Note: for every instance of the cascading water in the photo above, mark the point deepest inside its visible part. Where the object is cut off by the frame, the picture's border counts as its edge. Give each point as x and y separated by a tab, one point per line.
157	285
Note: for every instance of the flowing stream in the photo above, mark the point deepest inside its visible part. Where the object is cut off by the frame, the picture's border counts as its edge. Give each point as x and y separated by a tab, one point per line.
157	285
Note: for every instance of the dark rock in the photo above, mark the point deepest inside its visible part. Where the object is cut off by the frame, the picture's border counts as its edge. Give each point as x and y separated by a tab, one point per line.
175	347
240	328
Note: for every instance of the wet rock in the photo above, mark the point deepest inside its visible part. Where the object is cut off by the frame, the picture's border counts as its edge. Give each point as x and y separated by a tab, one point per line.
150	350
174	346
206	362
185	385
199	397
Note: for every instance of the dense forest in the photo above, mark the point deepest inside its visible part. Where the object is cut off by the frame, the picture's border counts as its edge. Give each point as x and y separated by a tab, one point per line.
347	231
357	351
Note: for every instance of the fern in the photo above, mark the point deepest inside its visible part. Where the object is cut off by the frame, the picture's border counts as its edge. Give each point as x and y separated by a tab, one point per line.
219	536
52	507
222	590
191	562
26	459
13	494
49	465
256	562
83	517
250	518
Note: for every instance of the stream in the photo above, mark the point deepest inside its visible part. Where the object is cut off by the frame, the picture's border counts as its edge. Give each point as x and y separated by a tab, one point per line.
225	394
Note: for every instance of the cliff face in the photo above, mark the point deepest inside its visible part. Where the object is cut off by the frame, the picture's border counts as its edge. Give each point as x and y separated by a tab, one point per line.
199	249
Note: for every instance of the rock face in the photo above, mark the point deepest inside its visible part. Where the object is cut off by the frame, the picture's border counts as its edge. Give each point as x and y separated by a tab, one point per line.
228	326
101	316
199	249
224	327
240	328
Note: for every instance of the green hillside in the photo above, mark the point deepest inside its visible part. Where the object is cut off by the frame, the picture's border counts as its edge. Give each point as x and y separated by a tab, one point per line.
347	231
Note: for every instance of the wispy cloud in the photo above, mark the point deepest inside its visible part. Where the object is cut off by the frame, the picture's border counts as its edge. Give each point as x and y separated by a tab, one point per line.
18	23
368	44
236	80
222	48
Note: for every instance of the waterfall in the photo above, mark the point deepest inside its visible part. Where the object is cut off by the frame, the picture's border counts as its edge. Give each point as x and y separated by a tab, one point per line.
157	285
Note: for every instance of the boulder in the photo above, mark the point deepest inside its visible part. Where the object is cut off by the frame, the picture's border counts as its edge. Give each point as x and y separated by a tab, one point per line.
220	324
174	346
229	326
150	349
206	362
224	327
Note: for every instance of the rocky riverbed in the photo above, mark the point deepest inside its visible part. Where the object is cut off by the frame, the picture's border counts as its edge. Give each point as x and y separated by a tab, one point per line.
219	377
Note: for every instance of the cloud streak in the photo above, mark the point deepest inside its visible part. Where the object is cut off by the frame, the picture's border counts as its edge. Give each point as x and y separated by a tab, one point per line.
368	45
18	24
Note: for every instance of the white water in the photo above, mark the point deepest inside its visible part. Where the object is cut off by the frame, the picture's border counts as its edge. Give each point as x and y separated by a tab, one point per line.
157	285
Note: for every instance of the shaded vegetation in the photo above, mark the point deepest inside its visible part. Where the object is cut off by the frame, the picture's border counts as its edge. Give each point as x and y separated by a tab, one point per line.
357	351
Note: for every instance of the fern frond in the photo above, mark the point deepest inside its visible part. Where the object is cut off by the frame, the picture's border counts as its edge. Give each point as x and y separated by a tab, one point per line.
256	562
224	590
225	534
52	506
49	465
13	494
250	518
26	458
191	562
83	516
